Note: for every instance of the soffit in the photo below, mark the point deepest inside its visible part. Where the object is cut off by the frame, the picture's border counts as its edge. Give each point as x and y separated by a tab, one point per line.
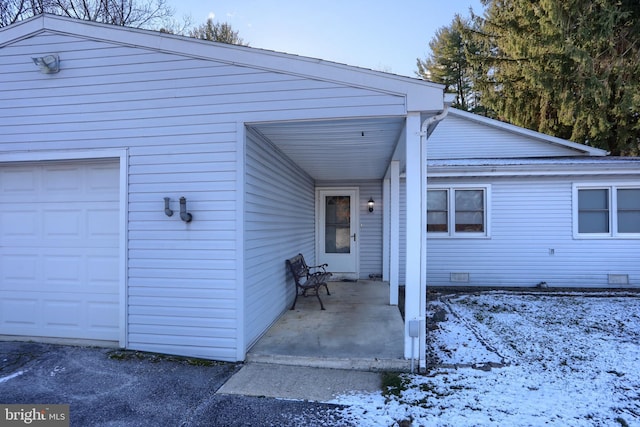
337	150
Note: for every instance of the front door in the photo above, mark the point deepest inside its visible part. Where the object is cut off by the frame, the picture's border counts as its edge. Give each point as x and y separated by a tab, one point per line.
338	232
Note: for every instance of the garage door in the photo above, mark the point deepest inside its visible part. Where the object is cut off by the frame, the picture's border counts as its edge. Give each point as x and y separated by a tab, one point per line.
59	256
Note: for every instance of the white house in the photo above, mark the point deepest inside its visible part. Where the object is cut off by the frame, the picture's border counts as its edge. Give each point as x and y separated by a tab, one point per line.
512	207
152	185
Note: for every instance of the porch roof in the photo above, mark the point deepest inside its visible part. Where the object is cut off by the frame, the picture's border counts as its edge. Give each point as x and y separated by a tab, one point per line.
338	149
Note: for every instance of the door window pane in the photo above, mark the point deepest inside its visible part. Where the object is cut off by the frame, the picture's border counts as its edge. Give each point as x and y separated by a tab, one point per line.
593	211
337	234
629	210
437	211
469	212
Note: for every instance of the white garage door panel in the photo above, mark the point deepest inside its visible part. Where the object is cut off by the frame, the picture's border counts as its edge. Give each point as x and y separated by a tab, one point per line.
60	315
60	269
59	255
19	311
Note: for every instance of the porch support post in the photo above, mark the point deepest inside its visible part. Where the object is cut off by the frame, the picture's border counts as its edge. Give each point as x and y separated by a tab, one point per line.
415	291
394	229
386	223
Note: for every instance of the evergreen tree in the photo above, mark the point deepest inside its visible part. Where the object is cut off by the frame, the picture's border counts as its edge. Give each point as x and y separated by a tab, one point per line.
447	63
570	68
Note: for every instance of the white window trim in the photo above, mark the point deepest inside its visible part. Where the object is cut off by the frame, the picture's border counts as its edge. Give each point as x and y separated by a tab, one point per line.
613	209
452	234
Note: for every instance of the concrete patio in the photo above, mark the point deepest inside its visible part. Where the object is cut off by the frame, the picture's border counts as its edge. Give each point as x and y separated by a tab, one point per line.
358	330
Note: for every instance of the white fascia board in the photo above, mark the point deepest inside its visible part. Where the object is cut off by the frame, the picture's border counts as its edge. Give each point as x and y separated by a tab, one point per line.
420	95
23	29
426	98
528	133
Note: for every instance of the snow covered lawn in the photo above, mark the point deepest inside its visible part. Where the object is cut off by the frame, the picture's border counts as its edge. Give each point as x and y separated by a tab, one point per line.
520	359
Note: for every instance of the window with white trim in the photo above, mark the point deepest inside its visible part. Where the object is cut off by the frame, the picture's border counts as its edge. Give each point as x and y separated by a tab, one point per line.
607	211
457	211
628	208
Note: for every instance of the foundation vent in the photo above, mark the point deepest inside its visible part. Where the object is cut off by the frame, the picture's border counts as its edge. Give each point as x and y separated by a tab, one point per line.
618	279
459	277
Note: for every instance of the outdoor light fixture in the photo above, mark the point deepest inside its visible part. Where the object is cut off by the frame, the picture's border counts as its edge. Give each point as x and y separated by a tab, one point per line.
49	64
371	203
184	215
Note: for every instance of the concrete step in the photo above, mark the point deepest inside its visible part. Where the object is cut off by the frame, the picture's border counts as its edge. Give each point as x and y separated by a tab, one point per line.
351	363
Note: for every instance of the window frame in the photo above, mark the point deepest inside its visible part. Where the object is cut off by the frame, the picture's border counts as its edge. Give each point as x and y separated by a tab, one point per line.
612	189
451	212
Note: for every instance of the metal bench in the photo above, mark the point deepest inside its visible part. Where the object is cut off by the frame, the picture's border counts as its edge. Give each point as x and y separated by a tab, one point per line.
308	277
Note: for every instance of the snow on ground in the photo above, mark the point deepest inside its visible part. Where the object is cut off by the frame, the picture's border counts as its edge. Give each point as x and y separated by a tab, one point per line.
519	359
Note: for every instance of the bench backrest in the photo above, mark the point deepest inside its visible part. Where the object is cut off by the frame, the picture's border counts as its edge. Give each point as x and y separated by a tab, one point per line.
298	267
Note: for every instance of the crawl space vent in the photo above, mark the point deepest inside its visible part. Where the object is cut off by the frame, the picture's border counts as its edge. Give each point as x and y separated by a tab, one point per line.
618	279
459	277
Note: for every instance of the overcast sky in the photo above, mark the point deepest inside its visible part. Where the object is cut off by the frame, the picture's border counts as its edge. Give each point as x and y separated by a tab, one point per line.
383	35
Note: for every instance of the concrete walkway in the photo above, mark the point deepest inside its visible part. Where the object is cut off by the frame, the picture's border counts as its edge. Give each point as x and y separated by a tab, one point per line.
299	382
358	330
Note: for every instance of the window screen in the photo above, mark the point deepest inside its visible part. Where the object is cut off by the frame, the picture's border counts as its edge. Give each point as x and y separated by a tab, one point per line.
437	211
593	211
628	210
469	211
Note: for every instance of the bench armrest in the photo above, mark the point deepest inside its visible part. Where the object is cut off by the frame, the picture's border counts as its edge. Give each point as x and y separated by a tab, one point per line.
322	267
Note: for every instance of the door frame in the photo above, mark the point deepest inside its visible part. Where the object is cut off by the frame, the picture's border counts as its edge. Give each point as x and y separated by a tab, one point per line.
355	220
121	155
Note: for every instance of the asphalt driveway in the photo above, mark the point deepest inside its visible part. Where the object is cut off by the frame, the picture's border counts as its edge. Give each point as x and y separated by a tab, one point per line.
108	387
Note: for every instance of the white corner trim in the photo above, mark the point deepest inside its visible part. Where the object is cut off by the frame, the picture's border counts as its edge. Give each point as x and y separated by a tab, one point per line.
124	249
241	144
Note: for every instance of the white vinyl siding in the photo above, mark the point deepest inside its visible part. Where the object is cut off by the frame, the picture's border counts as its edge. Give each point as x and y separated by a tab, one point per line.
403	232
532	216
370	229
177	117
279	224
531	242
460	138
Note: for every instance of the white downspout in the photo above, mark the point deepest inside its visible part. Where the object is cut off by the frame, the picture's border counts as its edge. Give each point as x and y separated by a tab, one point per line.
433	120
429	123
